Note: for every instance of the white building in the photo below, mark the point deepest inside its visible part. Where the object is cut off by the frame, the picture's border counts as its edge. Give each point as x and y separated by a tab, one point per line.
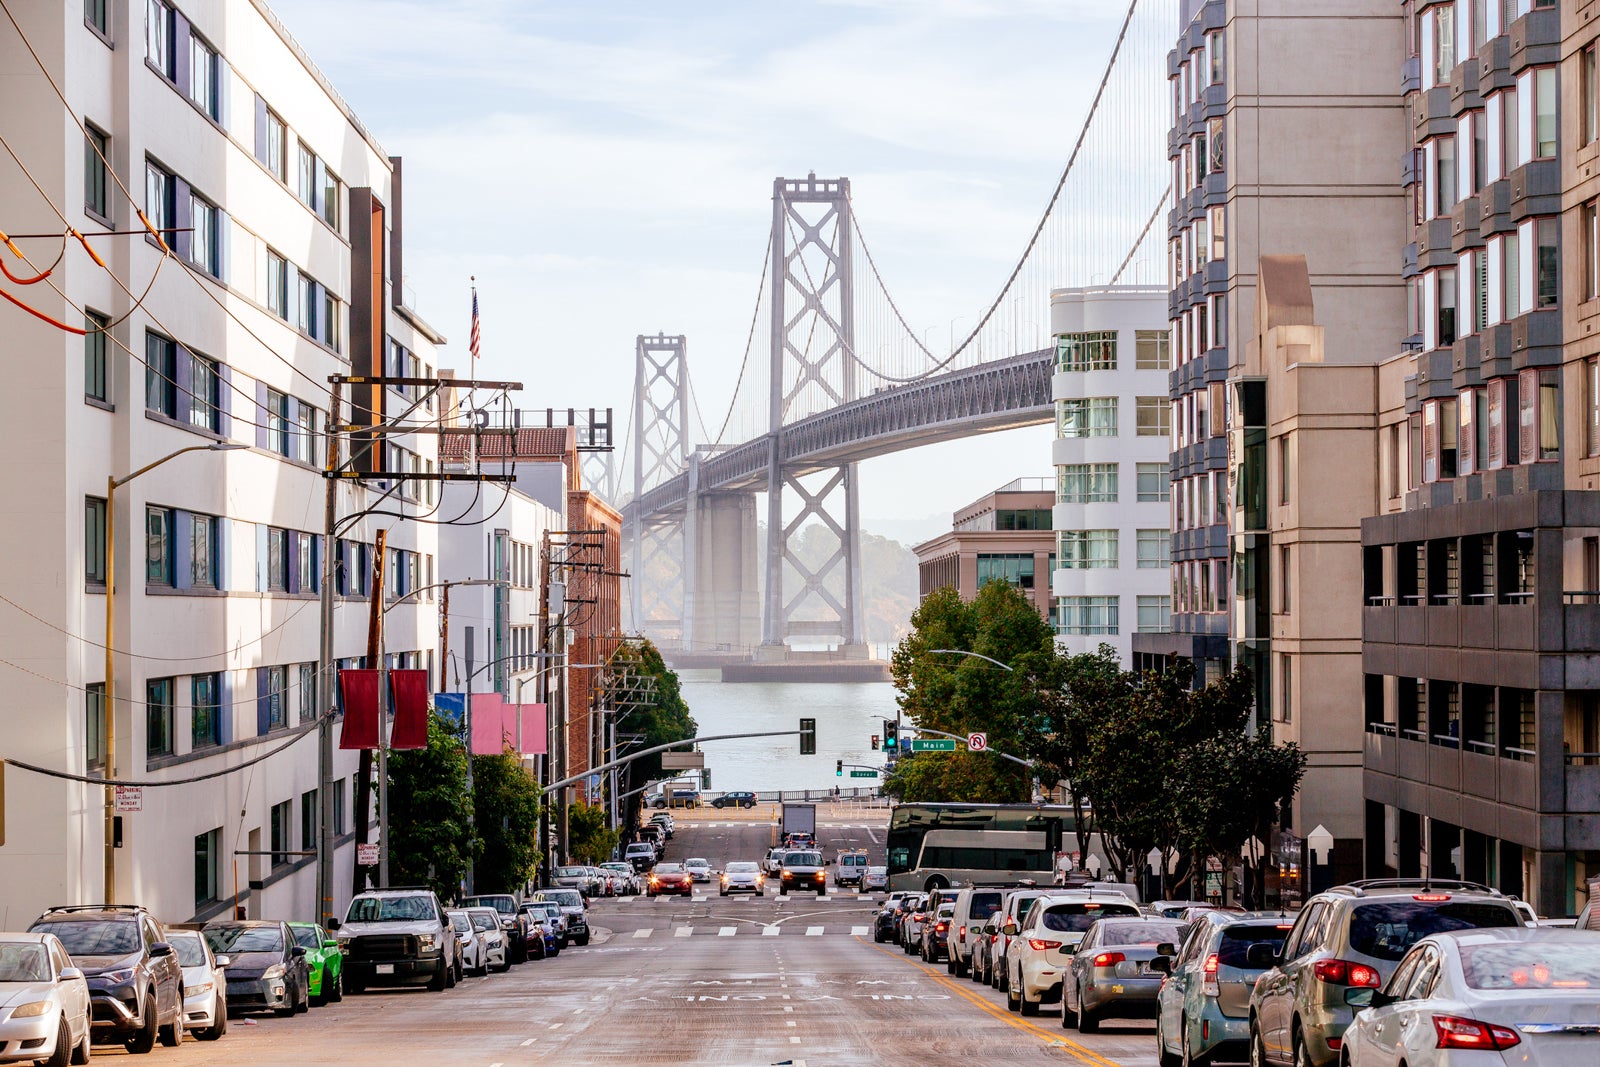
283	214
1112	445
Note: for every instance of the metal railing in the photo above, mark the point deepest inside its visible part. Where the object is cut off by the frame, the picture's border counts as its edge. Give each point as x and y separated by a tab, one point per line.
1485	748
1415	735
1583	759
1385	729
1524	755
1589	596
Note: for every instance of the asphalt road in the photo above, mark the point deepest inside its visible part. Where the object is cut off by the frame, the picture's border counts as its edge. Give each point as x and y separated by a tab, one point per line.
691	981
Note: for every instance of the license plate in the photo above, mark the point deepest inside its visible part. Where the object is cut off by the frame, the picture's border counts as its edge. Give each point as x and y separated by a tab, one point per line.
1116	989
384	968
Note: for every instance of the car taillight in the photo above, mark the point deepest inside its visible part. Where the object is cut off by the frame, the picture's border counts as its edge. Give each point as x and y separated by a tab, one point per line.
1432	898
940	927
1208	978
1109	959
1039	945
1212	963
918	916
961	935
1343	972
1456	1032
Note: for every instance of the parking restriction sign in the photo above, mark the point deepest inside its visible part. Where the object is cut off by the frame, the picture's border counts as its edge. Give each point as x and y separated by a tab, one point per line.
977	742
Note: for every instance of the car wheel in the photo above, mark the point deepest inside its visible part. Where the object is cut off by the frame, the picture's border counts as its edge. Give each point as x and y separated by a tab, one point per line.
1011	999
336	994
172	1034
80	1055
1302	1055
1186	1057
583	939
63	1050
219	1022
1029	1007
1163	1057
440	981
145	1039
1088	1021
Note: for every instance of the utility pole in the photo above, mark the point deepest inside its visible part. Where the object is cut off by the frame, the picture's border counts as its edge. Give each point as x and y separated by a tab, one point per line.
547	765
363	798
325	671
466	729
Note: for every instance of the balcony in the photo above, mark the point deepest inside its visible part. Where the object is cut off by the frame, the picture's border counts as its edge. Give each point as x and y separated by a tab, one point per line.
1581	621
1381	748
1535	39
1583	782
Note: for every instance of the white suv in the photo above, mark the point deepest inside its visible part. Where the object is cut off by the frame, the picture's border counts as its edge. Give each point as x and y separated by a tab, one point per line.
1042	945
398	937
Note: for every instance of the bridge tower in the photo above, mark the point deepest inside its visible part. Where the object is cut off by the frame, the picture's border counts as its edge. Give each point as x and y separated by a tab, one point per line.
812	369
661	594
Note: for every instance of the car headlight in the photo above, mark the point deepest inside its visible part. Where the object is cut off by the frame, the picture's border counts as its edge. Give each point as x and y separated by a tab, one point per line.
117	977
275	971
427	942
196	990
31	1010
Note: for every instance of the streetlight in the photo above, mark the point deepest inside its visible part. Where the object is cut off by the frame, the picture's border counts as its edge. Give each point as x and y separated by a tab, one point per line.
976	655
110	702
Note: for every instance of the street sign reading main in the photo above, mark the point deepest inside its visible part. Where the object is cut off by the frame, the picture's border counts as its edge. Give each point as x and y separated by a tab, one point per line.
933	744
863	774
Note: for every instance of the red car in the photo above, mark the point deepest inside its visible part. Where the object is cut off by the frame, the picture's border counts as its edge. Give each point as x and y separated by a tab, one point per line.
671	878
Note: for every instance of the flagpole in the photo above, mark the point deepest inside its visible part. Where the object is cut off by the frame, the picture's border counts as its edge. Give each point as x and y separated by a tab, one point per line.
472	375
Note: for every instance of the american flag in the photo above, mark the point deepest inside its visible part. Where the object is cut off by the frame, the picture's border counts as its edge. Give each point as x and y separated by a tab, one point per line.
476	336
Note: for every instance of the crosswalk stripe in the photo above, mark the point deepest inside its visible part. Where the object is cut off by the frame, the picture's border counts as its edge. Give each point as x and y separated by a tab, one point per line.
683	931
770	931
858	931
813	931
644	932
727	931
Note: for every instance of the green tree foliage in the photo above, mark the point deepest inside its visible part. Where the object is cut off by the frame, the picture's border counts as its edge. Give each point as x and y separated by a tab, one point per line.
506	801
591	841
430	832
636	668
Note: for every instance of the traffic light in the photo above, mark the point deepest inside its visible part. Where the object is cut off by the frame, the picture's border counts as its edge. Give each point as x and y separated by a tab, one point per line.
838	768
808	737
705	777
891	734
874	742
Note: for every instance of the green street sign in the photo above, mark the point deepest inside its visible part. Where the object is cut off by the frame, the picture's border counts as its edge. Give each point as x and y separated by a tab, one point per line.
863	774
936	744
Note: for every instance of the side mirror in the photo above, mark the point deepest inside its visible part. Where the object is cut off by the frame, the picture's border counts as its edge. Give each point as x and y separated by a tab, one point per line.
1162	964
330	943
1009	929
298	951
159	949
1260	956
1166	948
1361	997
333	924
69	974
227	961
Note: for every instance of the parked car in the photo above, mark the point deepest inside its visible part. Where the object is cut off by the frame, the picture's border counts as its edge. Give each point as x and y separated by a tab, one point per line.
671	878
1515	996
398	937
266	969
573	877
44	1002
699	869
850	867
573	908
1114	972
512	924
1203	1009
135	981
664	821
656	799
909	931
1042	945
1353	935
552	924
640	855
656	836
1174	909
624	883
935	942
803	869
973	906
875	880
324	962
205	984
742	876
1013	909
683	798
737	799
494	948
886	920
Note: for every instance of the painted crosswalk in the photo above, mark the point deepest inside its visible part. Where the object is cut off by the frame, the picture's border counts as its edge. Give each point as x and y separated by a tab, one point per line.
774	929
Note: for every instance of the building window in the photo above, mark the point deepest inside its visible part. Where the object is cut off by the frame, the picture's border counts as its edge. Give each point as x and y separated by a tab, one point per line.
1154	483
1087	483
161	375
1544	113
1591	94
1445	303
94	541
158	717
306	563
205	238
158	36
277	559
1510	277
308	692
94	728
1088	417
1086	549
1087	351
336	791
160	203
1283	579
1285	688
1444	42
277	139
96	385
1015	568
1153	416
278	422
1155	614
1087	615
96	15
158	546
96	175
205	394
203	77
1154	549
207	866
306	176
1538	416
1152	349
330	198
310	827
280	817
1444	174
277	285
205	700
276	682
1547	262
1283	469
1591	406
203	552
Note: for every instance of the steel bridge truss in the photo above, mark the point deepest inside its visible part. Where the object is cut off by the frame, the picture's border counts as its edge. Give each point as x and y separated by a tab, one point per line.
662	541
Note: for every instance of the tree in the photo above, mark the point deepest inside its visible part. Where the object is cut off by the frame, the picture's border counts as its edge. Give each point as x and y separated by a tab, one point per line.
592	842
506	801
656	711
430	813
1081	690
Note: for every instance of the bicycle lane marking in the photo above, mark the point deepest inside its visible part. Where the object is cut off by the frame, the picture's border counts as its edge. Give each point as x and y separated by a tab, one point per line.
1082	1053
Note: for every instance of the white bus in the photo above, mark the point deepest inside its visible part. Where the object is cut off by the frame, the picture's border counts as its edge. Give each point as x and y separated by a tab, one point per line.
936	845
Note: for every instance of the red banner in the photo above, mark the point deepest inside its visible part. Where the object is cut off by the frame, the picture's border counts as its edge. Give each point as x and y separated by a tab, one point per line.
359	692
408	695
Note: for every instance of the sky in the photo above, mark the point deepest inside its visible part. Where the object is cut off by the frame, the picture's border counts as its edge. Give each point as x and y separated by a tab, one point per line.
604	168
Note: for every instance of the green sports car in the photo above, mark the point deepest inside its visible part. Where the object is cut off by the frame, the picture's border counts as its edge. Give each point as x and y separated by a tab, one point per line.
324	962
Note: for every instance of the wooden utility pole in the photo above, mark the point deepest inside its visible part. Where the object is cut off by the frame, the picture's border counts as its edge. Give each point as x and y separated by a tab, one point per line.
363	797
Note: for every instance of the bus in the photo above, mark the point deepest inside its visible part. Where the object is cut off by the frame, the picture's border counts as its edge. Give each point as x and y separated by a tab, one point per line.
932	846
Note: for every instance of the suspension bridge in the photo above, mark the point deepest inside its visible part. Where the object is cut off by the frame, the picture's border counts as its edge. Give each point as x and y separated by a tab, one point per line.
838	376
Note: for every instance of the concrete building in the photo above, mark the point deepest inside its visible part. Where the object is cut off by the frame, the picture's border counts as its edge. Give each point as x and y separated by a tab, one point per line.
1480	618
1113	489
1005	535
282	215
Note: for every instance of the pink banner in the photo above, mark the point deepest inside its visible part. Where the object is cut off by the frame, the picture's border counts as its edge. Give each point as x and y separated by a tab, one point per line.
494	726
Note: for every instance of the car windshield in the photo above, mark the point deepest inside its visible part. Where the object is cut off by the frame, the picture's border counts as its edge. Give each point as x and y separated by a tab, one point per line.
1140	933
187	948
228	939
481	921
640	846
1387	931
567	898
505	905
461	923
740	867
1531	965
697	863
546	909
1076	918
306	937
669	868
1236	942
981	906
803	859
24	962
83	938
619	868
391	910
571	872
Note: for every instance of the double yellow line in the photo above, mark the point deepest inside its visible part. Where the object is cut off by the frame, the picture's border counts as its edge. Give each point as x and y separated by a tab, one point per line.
1079	1052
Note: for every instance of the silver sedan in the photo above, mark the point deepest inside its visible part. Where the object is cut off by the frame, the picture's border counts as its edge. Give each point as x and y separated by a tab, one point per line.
743	877
44	1002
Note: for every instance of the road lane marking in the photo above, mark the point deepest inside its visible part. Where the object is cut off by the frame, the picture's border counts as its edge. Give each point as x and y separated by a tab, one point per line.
645	932
682	931
530	1041
787	1008
556	1026
813	931
791	1022
770	931
727	931
794	1041
1081	1053
859	931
